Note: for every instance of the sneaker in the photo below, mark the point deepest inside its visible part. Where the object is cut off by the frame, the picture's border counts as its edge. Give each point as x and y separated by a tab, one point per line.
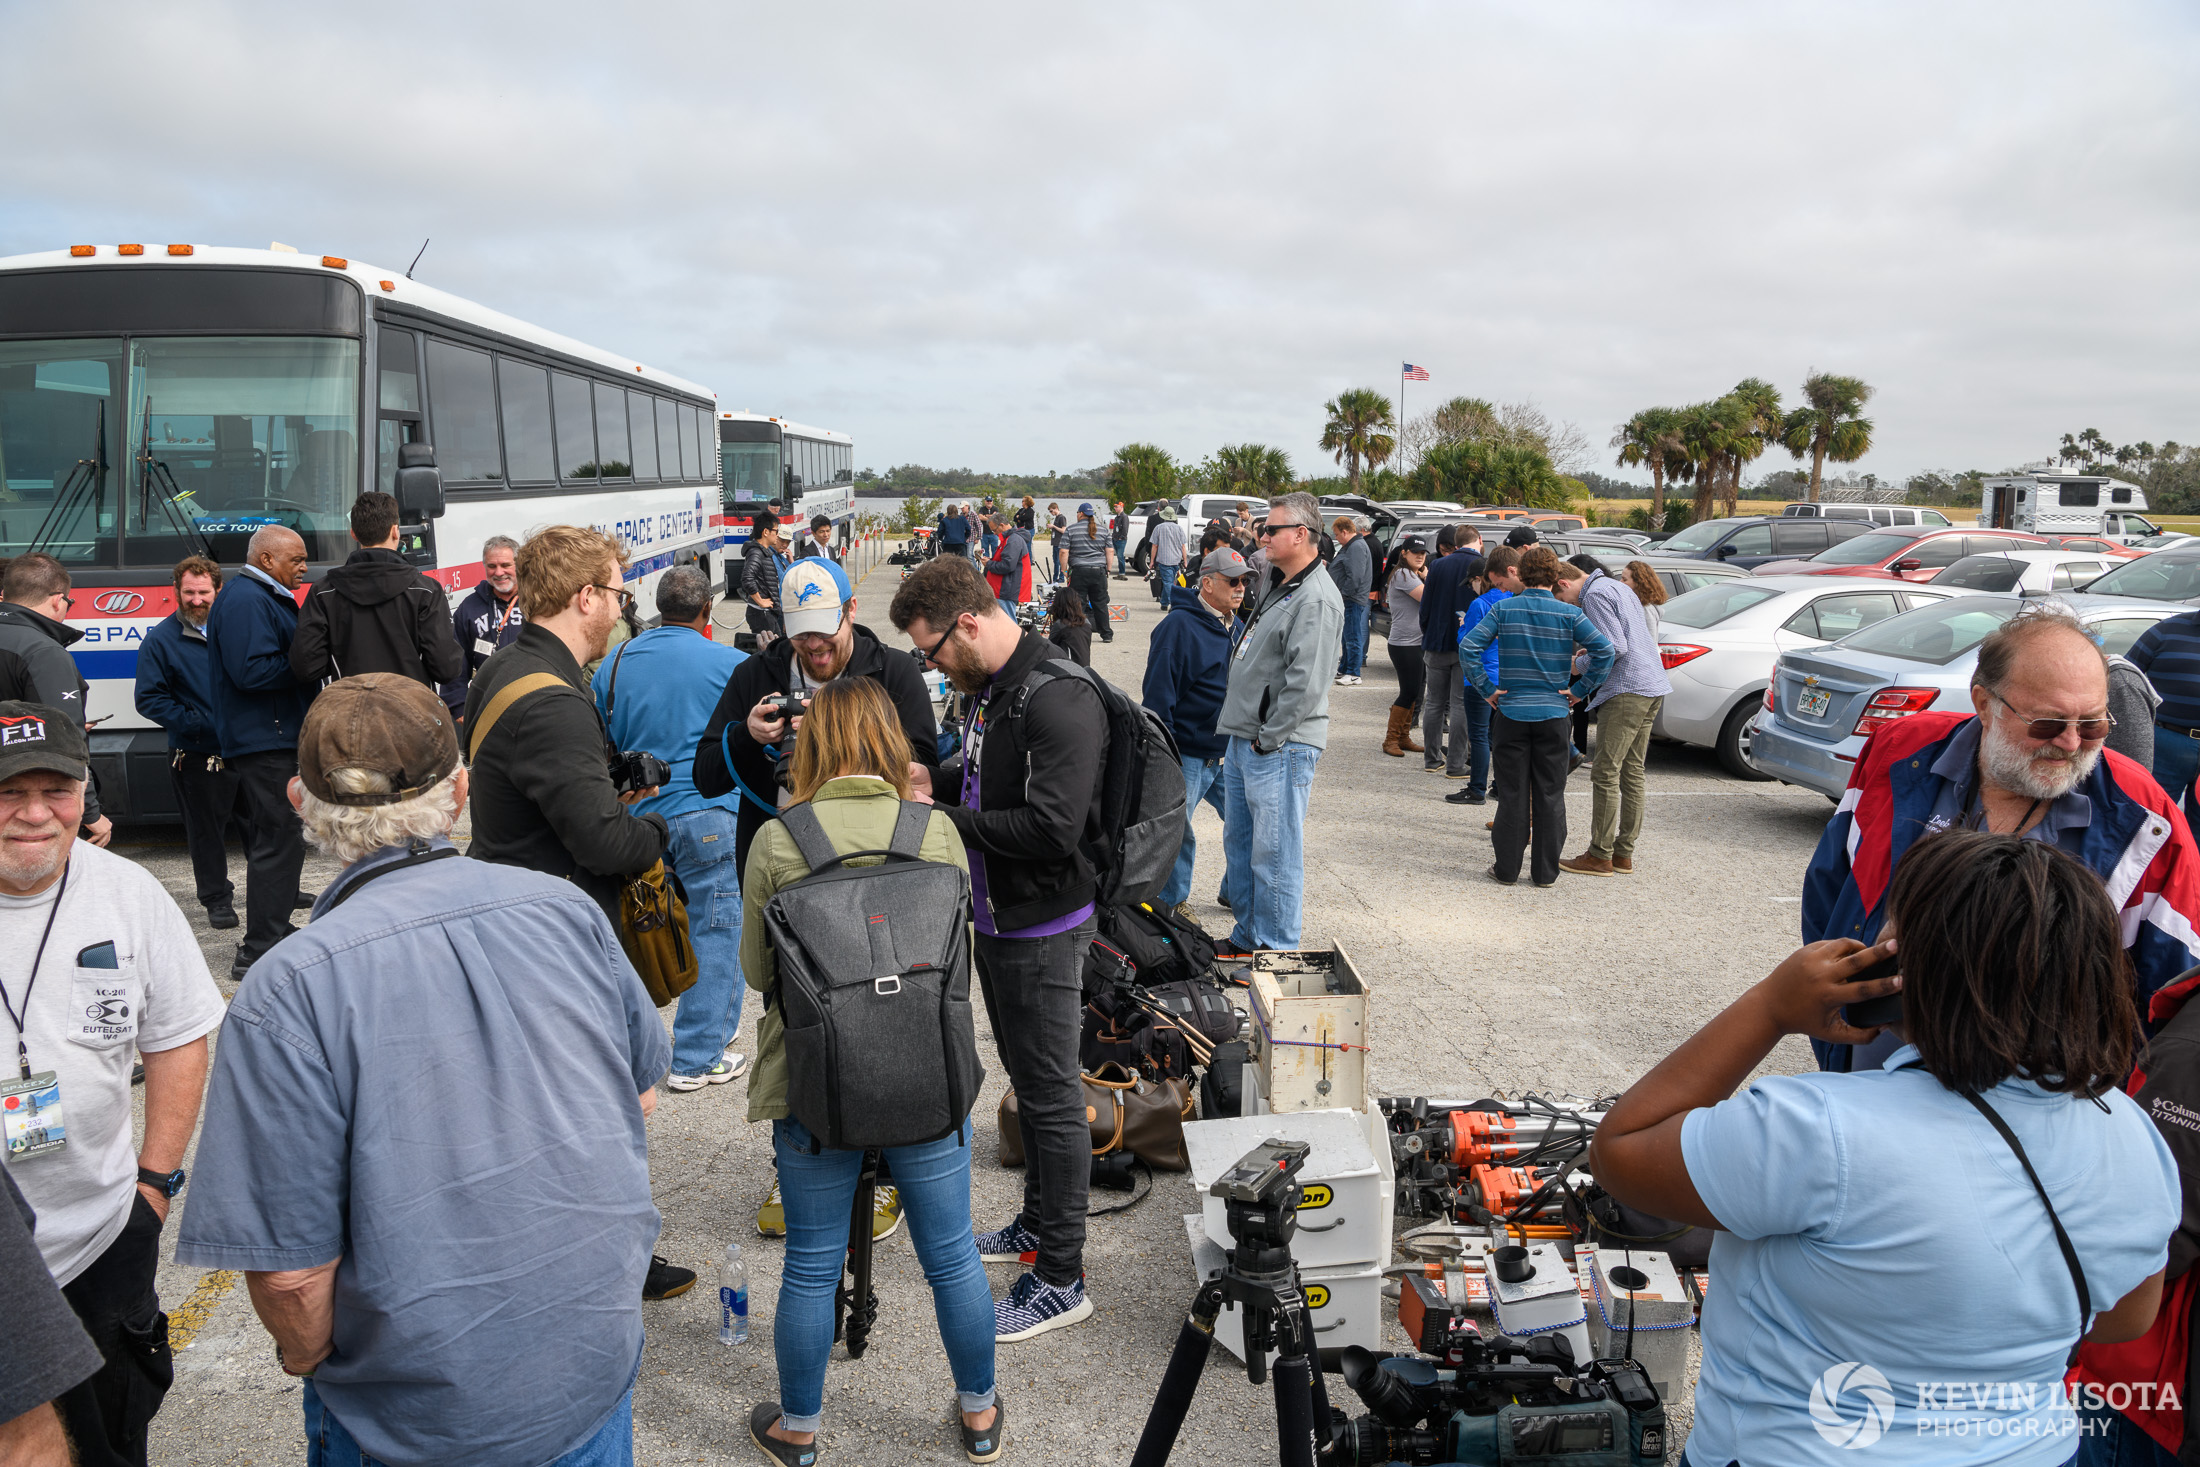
786	1454
1033	1307
1462	774
1012	1244
728	1068
1468	796
1185	914
885	1213
771	1218
985	1445
667	1280
221	915
1340	681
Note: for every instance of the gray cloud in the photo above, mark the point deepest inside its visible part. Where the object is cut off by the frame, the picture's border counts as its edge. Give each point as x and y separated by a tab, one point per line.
1015	236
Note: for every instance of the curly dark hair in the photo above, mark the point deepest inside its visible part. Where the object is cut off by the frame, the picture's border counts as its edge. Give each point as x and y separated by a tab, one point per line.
2013	964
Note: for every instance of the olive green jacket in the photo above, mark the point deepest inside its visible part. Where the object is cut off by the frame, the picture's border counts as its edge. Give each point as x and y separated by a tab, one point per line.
858	815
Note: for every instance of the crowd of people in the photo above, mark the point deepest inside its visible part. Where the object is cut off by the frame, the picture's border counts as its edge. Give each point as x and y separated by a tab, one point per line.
2035	894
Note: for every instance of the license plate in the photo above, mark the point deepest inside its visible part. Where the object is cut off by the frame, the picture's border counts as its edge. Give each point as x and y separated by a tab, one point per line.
1812	702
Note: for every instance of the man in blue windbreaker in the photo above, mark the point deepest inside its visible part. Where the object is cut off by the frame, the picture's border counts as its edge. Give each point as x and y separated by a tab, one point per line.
1187	673
175	689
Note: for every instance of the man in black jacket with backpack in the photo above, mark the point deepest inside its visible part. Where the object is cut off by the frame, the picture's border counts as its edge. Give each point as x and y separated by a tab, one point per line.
1026	798
375	612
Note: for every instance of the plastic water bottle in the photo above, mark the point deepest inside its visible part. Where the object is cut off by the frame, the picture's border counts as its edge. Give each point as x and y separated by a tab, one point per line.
733	1298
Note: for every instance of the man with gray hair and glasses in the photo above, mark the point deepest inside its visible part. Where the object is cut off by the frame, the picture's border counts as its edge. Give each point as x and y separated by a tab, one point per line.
448	1071
1275	713
489	617
2028	760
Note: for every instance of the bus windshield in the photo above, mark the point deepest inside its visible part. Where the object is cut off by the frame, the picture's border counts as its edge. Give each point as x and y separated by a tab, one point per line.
139	453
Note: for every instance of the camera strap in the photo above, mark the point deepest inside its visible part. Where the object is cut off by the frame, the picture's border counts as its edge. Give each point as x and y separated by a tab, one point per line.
2062	1238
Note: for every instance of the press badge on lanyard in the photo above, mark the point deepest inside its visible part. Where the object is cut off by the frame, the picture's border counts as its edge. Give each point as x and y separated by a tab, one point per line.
30	1104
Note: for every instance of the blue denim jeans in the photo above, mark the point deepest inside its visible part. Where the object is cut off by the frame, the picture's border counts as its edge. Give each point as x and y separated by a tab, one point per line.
818	1187
701	854
1120	563
1014	609
1264	798
2111	1439
1202	781
329	1445
1354	660
2176	761
1478	734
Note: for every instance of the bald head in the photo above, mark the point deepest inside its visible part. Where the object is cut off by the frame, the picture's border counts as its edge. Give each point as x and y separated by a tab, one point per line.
2041	670
278	550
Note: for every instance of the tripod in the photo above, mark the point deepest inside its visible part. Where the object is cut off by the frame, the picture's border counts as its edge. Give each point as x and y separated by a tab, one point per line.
1264	1284
855	1306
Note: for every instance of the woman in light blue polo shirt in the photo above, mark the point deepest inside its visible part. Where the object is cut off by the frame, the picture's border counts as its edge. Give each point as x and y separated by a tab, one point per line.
1886	1275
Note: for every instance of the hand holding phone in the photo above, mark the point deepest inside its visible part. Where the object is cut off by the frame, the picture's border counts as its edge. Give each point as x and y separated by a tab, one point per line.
1873	1013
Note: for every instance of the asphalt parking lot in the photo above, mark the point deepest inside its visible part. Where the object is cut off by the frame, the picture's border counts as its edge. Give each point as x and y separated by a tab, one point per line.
1475	989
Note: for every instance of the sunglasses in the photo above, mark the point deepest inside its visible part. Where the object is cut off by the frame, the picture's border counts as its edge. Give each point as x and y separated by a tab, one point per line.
2048	729
1272	529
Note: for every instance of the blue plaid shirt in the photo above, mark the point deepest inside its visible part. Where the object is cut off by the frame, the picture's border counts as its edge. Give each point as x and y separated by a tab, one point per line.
1536	634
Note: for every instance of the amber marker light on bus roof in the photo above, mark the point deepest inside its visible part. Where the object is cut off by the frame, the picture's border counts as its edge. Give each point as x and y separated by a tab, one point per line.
80	251
130	249
336	262
389	285
179	249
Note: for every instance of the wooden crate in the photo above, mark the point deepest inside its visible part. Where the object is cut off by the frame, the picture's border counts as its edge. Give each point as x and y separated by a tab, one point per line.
1304	1003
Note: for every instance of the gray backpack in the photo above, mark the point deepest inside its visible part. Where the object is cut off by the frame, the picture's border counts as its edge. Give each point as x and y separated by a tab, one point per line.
874	989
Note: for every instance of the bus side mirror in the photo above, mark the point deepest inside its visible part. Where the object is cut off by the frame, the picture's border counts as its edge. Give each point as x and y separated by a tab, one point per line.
419	484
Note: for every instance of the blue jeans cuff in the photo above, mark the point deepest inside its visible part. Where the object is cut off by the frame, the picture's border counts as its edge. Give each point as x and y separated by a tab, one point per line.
976	1400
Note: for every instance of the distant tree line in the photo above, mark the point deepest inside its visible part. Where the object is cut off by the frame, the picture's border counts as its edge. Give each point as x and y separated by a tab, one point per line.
1707	444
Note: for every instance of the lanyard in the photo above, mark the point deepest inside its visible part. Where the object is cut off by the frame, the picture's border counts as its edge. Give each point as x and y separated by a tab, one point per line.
22	1020
1280	596
1974	812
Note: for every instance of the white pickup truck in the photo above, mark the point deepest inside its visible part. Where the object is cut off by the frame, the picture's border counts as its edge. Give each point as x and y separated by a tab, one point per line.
2067	504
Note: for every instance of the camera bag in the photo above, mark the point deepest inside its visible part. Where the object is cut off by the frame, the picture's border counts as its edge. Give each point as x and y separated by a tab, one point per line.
874	988
1162	946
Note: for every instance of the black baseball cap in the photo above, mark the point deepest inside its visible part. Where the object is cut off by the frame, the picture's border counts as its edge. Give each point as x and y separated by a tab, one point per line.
34	736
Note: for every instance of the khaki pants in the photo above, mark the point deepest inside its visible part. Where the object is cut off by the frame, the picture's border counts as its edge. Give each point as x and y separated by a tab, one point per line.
1615	776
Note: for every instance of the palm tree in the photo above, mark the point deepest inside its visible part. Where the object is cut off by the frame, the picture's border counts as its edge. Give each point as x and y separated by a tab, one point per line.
1829	424
1140	472
1251	468
1710	437
1758	423
1651	439
1359	430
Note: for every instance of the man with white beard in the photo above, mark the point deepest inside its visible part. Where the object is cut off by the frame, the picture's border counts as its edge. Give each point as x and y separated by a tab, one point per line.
2027	761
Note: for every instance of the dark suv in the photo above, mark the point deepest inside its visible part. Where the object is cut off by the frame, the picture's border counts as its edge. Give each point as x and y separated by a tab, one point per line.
1757	539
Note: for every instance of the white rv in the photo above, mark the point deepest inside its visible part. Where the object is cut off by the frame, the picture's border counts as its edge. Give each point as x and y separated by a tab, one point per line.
2067	504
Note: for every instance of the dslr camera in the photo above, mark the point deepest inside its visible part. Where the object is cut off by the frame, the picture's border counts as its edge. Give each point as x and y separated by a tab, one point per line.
787	707
636	769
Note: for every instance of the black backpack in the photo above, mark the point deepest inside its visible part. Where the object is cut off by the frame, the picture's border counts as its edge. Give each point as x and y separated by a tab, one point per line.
1163	947
874	989
1141	790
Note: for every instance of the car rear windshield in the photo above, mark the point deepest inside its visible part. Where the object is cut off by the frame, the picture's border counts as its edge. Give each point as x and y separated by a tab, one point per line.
1698	537
1863	549
1934	634
1709	605
1981	573
2155	577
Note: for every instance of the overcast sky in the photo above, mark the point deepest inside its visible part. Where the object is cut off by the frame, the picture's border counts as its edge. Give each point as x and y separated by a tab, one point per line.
1015	236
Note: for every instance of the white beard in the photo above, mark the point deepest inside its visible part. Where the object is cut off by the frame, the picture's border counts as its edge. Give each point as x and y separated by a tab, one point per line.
2042	775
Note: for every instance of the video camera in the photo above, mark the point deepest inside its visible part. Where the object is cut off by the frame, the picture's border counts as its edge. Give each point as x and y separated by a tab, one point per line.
633	770
1497	1402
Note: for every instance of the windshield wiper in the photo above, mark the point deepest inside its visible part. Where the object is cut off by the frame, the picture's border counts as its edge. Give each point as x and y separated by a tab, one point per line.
86	480
170	502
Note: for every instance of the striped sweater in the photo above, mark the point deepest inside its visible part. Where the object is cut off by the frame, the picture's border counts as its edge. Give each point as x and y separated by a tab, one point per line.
1535	634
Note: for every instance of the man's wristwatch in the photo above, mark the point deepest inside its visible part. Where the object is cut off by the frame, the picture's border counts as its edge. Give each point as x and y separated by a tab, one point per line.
168	1184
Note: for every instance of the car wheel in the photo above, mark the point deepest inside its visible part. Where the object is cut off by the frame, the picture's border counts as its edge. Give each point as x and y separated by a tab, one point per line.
1139	561
1734	743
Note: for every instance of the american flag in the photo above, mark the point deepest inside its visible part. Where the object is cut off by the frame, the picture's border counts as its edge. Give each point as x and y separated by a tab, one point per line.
1413	373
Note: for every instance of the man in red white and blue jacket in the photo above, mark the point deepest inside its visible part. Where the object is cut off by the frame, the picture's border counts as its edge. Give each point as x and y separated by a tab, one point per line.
2040	673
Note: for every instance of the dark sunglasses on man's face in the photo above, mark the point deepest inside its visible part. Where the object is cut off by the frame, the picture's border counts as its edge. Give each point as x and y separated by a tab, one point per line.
2047	730
1273	529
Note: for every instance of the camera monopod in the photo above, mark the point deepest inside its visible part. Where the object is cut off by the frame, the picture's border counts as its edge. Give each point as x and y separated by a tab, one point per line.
1260	1199
855	1306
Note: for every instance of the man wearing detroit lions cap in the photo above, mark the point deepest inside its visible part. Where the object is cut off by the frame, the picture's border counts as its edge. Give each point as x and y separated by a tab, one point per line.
747	740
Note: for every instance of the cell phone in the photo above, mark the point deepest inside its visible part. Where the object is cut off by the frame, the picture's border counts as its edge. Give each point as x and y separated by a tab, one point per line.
98	955
1873	1013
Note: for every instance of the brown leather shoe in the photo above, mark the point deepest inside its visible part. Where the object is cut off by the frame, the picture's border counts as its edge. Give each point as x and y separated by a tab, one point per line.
1624	865
1587	865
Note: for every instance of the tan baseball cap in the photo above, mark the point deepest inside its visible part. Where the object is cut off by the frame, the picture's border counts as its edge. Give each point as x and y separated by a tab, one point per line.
379	721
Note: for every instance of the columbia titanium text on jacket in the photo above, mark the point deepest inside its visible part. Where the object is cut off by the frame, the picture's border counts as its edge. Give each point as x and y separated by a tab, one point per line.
259	703
1284	658
2136	841
770	673
542	795
375	613
175	685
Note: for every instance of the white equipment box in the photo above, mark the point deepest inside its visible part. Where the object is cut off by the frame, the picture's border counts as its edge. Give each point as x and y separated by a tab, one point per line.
1546	1301
1344	1219
1309	1043
1344	1305
1664	1314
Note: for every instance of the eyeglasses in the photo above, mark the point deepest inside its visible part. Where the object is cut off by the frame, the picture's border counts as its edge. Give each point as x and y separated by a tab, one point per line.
2048	729
626	598
1275	529
932	658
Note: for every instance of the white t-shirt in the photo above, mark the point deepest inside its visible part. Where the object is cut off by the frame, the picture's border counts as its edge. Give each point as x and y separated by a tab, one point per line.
85	1024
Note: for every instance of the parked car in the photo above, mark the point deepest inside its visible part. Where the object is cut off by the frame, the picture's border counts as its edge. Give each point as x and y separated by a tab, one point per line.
2109	550
1600	543
2166	575
1756	540
2163	541
1825	702
2033	572
1720	644
1632	537
1878	514
1906	555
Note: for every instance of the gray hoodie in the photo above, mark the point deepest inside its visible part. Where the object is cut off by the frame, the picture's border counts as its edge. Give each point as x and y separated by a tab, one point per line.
1282	664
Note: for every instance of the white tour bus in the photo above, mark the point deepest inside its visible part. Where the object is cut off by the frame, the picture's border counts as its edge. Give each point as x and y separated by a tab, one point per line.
159	401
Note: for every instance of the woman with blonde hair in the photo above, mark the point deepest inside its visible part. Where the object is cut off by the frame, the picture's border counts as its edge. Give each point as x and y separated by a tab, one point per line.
851	764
